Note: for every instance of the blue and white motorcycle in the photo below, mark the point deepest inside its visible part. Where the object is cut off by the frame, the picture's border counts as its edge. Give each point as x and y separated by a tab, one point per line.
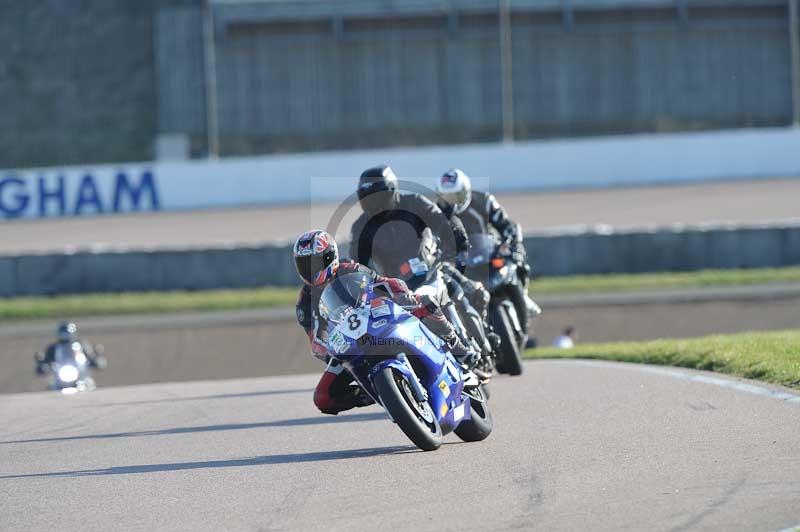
402	365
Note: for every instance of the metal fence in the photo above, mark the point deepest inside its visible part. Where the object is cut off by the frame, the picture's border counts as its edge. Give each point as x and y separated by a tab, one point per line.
312	75
259	76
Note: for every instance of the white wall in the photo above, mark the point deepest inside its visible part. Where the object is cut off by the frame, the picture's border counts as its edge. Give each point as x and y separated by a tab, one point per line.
325	176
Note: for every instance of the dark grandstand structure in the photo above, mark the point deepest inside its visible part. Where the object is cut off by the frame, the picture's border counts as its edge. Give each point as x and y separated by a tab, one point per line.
103	80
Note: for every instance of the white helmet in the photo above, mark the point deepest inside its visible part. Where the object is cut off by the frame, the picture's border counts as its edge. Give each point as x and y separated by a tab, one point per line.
454	187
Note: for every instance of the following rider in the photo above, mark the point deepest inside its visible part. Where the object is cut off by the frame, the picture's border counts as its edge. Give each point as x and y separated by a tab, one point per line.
67	335
390	233
480	213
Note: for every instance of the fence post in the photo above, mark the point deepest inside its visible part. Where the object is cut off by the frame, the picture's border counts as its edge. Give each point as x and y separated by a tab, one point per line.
507	76
794	43
210	56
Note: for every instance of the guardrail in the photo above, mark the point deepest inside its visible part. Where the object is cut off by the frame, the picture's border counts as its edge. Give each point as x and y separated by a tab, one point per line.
583	250
591	250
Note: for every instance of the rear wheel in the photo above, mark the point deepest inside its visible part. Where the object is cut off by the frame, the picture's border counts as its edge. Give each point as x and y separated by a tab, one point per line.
479	425
510	359
416	419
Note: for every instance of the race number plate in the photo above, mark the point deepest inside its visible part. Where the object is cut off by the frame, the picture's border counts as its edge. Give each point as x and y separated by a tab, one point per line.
355	323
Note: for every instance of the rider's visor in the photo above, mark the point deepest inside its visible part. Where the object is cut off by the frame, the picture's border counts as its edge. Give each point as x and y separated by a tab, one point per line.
309	266
371	188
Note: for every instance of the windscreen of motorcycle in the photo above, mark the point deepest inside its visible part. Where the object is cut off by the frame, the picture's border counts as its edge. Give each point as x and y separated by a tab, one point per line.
481	249
344	293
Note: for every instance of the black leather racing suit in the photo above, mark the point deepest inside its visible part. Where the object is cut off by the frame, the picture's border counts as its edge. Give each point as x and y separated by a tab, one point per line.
484	215
50	355
389	238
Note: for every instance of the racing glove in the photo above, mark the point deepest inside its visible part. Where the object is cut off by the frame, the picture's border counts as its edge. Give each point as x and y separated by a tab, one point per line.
461	261
319	350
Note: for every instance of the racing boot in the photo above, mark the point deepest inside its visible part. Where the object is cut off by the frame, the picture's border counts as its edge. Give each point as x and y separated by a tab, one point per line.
358	396
494	340
468	356
533	309
478	296
524	272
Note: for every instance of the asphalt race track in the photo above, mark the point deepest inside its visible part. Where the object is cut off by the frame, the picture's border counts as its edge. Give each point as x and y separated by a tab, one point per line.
739	201
576	446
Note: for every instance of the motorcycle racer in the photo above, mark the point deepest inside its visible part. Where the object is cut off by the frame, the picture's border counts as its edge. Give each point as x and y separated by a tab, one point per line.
480	213
67	334
389	230
316	257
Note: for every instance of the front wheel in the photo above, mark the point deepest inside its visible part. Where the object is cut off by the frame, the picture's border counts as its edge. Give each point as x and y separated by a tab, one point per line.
415	419
510	358
480	423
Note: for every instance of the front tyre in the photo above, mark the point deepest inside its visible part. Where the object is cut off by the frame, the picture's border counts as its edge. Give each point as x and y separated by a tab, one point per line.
415	419
510	358
479	425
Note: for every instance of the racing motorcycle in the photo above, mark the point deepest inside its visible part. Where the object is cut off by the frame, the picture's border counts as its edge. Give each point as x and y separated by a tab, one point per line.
488	263
402	365
69	372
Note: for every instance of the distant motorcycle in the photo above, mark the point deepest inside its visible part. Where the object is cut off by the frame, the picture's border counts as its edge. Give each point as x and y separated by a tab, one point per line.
402	365
70	369
488	263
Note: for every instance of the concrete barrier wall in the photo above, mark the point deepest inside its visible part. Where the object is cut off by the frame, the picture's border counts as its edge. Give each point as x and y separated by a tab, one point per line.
329	176
582	251
138	271
595	251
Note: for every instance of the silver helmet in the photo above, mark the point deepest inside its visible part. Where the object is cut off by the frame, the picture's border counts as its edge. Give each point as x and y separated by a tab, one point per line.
455	188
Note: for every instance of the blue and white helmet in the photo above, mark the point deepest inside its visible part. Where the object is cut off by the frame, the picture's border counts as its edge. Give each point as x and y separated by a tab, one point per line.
455	188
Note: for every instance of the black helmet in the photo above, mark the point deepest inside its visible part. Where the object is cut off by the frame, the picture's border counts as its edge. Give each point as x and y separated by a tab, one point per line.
67	331
378	189
316	257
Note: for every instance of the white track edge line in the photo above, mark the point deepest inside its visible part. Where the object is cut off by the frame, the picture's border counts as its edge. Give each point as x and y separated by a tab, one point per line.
745	387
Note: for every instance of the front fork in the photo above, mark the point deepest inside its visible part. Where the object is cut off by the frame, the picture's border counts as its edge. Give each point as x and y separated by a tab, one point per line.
472	334
461	330
420	394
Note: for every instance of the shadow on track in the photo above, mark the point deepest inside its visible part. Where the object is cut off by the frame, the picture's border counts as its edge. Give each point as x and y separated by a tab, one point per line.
317	420
203	397
321	456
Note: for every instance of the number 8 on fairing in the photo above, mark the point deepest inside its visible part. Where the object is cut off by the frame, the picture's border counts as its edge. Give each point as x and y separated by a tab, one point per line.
354	322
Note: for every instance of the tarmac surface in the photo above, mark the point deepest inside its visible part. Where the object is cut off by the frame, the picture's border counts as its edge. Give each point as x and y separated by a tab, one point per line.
576	446
739	201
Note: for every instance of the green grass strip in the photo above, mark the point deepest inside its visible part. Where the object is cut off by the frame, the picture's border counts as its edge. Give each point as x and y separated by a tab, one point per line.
767	356
33	308
582	284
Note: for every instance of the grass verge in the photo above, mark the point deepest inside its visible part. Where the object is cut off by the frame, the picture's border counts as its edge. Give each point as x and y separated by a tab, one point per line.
766	356
579	284
32	308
